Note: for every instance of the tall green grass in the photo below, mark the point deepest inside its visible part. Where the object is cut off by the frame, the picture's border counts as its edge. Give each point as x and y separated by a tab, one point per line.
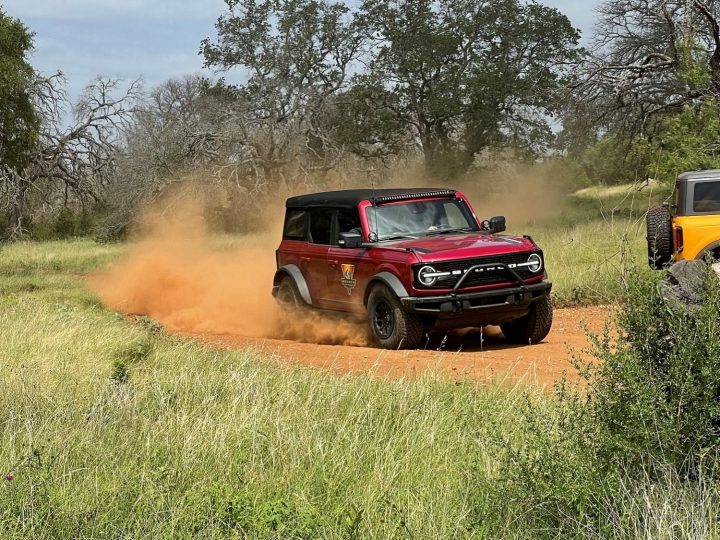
195	442
597	233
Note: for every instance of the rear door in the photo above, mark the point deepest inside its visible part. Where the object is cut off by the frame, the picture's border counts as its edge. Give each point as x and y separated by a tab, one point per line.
315	255
293	242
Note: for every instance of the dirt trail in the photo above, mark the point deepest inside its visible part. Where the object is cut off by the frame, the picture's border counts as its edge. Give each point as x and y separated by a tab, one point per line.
463	354
218	289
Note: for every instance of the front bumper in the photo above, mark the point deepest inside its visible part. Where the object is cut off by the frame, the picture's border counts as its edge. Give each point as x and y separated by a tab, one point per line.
502	301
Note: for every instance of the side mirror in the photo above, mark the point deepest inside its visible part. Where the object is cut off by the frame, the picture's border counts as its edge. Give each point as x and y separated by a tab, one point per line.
350	240
497	224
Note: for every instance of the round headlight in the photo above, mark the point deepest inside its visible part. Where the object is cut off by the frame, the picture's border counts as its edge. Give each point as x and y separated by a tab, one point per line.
424	278
535	263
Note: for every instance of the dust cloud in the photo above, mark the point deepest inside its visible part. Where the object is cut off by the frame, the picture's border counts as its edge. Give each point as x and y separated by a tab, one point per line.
525	193
196	282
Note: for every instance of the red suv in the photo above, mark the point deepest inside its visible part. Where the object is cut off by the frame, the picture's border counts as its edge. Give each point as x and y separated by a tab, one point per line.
411	260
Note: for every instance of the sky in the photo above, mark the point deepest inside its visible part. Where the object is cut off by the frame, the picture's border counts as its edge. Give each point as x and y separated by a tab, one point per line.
152	39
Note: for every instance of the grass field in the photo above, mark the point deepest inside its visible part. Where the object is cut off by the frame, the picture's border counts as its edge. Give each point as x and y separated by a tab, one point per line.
118	430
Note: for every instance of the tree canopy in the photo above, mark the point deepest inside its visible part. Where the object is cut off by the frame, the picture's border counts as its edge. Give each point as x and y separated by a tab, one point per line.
19	118
451	77
464	76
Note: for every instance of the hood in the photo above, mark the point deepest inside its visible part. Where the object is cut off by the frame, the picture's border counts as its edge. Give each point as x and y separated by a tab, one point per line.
465	246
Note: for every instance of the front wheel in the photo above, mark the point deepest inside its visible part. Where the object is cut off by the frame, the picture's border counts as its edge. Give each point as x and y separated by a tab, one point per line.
533	327
390	325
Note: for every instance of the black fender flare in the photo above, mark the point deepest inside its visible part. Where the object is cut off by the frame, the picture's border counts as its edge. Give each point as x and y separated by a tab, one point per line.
391	280
710	247
295	274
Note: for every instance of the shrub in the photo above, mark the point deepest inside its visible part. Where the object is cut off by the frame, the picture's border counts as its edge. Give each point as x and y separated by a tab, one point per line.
654	389
649	409
63	224
120	372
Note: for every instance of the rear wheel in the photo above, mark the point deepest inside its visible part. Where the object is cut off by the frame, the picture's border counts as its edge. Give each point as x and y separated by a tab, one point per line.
533	327
288	295
659	237
390	325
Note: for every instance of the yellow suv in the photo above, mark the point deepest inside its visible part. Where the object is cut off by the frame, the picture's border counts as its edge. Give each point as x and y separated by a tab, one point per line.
690	228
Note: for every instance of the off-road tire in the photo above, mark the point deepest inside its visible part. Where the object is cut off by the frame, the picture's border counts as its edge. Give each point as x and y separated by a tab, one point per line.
659	237
288	295
533	327
404	330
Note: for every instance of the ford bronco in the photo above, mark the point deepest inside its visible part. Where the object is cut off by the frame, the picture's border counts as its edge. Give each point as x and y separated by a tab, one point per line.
410	261
689	228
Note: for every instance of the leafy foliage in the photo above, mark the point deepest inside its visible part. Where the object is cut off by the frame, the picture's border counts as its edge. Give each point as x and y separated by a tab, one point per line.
655	389
463	76
649	409
19	118
687	141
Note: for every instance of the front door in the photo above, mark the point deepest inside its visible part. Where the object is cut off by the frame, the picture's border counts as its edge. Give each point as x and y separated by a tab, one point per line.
349	268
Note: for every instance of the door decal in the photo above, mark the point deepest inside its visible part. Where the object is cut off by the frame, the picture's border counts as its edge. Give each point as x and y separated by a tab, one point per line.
348	277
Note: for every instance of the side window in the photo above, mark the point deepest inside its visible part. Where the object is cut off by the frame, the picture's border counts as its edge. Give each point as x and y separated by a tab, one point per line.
348	219
706	197
320	224
295	225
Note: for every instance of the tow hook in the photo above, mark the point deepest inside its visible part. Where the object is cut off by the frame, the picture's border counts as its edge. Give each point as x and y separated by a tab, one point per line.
521	299
454	305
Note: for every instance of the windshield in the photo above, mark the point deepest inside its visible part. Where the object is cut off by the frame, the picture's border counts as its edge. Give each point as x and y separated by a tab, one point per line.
420	218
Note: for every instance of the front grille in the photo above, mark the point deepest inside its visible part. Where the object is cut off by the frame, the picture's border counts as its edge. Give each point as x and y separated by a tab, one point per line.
485	277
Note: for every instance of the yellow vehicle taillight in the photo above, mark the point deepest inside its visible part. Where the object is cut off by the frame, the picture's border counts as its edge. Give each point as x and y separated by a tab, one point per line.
679	241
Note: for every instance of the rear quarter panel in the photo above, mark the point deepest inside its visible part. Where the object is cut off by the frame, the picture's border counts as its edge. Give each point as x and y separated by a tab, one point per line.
699	232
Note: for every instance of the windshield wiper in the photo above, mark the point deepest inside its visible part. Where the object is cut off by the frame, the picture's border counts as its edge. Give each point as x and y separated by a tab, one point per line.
449	231
397	237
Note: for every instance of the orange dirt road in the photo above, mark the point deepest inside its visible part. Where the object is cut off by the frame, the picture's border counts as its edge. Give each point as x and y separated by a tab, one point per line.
464	354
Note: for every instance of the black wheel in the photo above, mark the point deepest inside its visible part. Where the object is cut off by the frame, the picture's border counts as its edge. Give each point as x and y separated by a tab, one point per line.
659	237
390	325
533	327
287	294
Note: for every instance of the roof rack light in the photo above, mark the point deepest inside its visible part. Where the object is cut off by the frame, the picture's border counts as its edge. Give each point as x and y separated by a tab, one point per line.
416	195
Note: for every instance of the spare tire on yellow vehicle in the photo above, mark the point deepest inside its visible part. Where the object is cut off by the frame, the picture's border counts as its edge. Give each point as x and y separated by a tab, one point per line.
659	237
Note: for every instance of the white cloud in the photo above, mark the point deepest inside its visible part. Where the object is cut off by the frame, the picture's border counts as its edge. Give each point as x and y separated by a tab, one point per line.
581	13
103	9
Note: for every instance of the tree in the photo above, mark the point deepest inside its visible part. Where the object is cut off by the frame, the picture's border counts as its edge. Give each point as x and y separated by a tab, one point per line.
463	75
19	118
651	59
296	55
687	141
68	164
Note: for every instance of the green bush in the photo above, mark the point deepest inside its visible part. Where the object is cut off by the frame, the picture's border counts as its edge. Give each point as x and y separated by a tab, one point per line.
655	388
233	511
64	224
648	409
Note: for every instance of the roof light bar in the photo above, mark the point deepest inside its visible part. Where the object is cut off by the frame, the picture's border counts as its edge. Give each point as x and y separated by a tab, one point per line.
416	195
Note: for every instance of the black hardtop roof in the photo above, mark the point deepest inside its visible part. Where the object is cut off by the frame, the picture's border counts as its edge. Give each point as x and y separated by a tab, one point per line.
692	176
352	197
